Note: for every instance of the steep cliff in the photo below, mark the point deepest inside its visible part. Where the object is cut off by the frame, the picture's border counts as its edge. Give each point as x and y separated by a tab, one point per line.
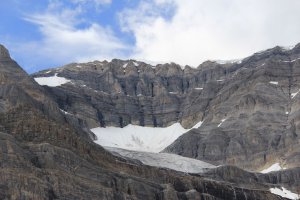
249	109
45	154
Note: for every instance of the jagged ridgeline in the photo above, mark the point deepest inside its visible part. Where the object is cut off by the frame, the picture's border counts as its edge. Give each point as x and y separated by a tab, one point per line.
249	108
46	153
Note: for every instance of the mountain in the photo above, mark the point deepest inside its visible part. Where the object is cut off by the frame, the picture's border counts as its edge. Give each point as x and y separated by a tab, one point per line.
47	150
249	108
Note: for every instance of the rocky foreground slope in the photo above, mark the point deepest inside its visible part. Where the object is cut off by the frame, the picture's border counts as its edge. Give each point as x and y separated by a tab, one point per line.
48	154
250	109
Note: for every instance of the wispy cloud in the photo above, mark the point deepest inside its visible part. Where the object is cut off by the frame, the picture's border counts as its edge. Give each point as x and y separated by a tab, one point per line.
63	40
201	30
185	32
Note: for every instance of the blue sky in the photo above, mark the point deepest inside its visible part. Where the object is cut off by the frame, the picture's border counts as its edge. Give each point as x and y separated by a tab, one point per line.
50	33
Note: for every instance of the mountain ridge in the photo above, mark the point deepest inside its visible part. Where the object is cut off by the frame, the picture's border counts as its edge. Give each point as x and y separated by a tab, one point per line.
47	155
252	95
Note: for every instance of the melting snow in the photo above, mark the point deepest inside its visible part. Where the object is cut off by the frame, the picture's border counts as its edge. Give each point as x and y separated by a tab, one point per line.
165	160
284	193
197	125
289	61
65	112
287	48
138	138
125	65
222	62
52	81
274	167
273	82
294	94
223	120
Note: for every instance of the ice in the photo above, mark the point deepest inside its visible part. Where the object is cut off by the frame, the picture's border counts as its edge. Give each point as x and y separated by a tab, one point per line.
294	94
274	167
223	62
284	193
139	138
164	160
287	48
125	65
273	82
52	81
65	112
289	61
223	120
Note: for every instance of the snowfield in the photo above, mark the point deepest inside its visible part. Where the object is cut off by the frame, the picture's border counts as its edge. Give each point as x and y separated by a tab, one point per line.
284	193
138	138
164	160
273	82
52	81
274	167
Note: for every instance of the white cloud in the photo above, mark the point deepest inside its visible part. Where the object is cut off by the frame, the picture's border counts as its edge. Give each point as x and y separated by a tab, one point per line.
62	40
201	30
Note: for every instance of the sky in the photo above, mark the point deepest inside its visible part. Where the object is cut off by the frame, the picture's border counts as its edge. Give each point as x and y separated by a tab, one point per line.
42	34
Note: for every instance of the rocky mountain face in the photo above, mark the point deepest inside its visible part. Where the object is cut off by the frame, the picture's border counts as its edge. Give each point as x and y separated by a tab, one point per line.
48	154
250	109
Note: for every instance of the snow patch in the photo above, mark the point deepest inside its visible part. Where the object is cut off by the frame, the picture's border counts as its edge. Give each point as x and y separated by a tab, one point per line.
222	121
290	61
273	82
220	80
294	94
125	65
65	112
273	168
223	62
164	160
135	64
138	138
173	92
286	113
198	88
284	193
262	64
197	125
287	48
52	81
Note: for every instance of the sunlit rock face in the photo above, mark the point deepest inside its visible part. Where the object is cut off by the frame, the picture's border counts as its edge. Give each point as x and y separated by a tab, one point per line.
249	109
47	153
4	54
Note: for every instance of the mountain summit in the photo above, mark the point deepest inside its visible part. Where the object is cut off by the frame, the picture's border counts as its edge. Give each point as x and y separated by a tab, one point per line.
47	153
4	53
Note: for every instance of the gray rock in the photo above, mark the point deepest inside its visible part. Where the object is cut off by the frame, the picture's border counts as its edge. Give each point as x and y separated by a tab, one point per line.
44	155
257	130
